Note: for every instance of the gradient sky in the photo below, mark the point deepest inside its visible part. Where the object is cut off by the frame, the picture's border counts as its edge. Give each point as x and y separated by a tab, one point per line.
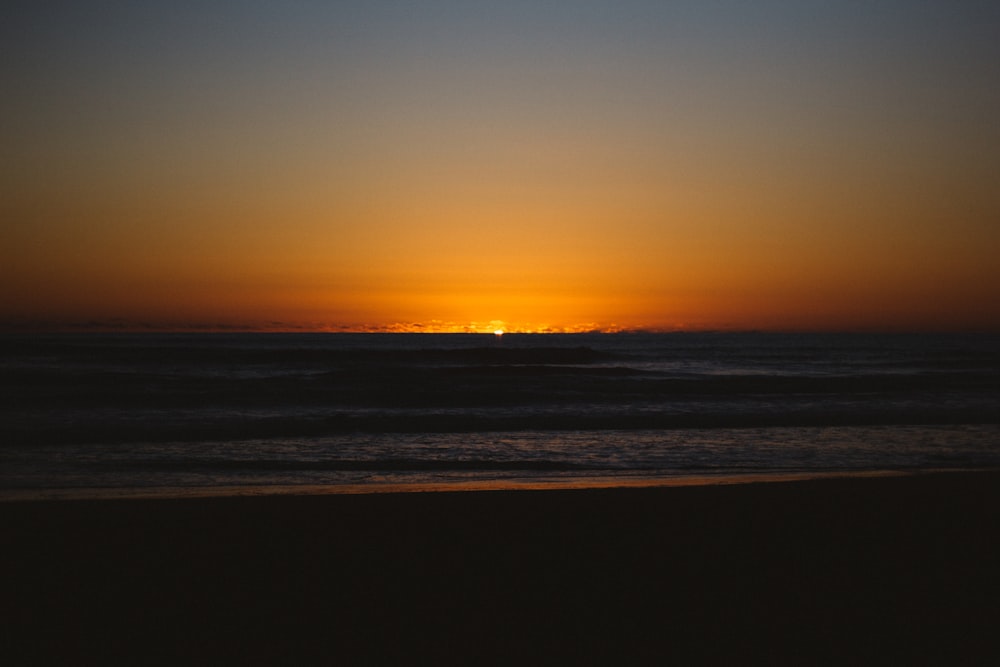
528	165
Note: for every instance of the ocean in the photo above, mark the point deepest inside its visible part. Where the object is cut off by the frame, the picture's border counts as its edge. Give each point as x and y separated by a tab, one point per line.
101	414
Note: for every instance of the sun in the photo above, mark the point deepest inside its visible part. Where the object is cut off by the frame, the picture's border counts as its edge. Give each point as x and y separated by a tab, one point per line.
498	332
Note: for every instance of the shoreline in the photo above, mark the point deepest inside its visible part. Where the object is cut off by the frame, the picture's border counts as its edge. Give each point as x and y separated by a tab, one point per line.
848	570
518	484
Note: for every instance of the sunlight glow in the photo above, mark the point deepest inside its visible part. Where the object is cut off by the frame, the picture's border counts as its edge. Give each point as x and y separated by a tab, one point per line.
439	326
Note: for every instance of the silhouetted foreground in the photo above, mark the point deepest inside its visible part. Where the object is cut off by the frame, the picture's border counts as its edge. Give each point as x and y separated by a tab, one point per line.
849	570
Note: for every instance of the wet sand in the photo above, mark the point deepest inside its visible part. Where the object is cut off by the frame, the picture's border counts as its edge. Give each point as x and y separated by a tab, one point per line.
852	570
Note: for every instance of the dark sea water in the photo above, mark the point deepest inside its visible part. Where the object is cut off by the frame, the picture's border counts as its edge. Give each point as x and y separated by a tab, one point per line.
124	413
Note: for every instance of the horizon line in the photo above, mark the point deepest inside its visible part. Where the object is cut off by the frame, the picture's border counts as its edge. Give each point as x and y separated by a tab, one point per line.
121	325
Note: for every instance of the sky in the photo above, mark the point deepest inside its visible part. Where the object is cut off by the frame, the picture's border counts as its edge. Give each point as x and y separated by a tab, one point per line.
525	166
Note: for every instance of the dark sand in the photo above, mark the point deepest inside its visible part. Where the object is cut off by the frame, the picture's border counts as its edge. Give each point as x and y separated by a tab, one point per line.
881	571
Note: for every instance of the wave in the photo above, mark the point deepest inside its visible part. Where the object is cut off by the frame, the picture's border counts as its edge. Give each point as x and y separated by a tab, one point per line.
465	386
206	349
218	429
355	465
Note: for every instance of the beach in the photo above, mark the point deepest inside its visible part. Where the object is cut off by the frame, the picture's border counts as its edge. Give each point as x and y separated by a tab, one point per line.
900	568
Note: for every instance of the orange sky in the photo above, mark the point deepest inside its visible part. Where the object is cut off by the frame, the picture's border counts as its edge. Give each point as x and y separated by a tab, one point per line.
595	166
